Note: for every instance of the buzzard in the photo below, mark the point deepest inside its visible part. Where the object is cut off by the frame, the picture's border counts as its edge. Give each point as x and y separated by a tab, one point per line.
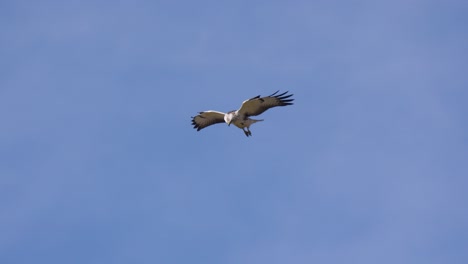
241	117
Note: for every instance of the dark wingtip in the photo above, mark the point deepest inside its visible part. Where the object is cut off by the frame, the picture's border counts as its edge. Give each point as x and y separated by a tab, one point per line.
279	95
195	125
274	93
283	98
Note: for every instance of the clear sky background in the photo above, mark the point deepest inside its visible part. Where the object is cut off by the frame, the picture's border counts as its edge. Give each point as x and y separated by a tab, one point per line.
99	162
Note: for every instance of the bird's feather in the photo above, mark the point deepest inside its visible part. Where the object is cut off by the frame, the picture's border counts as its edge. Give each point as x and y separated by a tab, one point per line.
207	118
257	105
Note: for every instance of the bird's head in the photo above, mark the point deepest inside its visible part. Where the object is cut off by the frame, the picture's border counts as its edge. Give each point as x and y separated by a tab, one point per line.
228	118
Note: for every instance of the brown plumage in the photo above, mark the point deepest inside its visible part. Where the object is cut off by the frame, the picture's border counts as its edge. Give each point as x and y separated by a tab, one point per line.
240	118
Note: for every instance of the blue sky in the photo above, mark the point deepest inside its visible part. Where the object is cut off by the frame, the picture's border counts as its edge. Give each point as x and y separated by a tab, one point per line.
99	162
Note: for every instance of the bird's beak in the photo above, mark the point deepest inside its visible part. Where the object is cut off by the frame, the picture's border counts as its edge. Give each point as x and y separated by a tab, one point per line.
229	124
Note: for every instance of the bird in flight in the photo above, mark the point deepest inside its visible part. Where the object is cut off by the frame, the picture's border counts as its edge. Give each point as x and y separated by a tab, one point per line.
241	117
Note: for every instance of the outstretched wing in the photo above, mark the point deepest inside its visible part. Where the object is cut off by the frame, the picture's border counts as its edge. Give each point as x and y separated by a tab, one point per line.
258	105
207	118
